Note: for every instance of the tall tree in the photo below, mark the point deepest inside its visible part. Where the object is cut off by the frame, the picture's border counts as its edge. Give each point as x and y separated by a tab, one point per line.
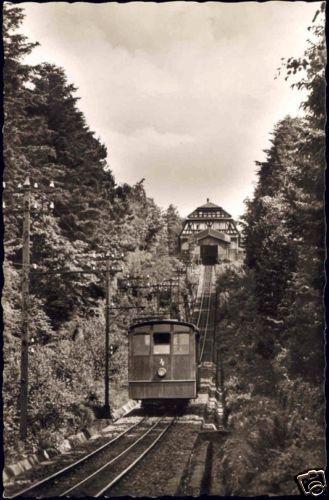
77	153
174	227
275	312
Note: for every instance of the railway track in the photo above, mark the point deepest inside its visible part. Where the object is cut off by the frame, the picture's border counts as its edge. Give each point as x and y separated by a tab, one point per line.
99	471
126	467
203	319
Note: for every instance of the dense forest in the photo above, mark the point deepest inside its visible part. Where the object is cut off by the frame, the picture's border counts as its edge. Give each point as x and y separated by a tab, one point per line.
85	213
271	314
270	317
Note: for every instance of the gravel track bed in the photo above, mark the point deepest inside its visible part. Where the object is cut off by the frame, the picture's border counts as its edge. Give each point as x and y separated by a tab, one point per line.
101	480
218	475
160	471
49	467
59	485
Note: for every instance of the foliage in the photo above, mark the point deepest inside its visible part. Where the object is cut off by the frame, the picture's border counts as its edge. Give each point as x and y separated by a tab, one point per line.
271	312
46	137
174	227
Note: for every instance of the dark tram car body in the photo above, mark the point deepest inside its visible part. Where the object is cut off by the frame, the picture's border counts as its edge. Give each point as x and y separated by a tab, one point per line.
163	360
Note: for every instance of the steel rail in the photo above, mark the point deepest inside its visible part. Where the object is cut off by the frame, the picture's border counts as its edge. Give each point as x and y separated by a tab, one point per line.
135	462
204	293
207	317
205	331
76	463
202	298
208	294
112	461
200	307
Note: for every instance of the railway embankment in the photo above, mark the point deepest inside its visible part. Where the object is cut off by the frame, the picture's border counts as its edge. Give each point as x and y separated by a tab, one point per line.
187	460
182	462
139	455
162	471
23	471
204	474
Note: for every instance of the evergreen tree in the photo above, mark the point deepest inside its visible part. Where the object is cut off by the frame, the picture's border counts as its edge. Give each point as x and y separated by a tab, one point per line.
47	138
174	227
77	154
275	312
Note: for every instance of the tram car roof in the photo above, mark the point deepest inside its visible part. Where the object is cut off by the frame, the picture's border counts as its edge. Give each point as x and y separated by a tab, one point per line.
146	317
156	320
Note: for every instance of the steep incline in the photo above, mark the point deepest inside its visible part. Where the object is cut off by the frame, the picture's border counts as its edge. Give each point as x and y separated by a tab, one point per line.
204	313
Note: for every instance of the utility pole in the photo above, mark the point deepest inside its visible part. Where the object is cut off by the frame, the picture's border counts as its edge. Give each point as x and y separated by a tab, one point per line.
25	309
186	307
170	299
109	271
107	409
158	298
24	365
179	296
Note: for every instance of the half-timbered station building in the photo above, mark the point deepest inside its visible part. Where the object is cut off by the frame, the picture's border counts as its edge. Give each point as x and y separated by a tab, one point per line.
210	235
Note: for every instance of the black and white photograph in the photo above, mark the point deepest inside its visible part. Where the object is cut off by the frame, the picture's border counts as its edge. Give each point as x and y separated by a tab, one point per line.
163	208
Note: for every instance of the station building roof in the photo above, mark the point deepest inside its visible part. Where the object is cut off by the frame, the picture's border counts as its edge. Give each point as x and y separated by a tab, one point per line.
209	204
209	209
212	233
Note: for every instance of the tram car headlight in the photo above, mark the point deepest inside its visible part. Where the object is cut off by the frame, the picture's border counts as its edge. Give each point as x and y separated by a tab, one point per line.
162	372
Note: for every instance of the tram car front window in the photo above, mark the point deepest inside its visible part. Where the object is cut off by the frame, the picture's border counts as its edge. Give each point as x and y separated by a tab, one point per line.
181	343
141	344
161	343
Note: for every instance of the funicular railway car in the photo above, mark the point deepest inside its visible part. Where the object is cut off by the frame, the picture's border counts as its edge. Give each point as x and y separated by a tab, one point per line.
163	361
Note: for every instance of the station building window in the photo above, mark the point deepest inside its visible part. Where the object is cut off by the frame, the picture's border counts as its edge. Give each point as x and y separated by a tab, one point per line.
161	343
141	344
181	344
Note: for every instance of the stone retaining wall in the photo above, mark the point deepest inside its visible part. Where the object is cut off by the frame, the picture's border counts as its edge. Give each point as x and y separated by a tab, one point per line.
28	462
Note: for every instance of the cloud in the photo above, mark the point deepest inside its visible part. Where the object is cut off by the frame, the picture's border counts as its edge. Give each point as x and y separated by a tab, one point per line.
181	93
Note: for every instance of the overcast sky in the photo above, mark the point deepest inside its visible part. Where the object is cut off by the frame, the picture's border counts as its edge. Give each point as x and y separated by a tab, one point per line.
182	94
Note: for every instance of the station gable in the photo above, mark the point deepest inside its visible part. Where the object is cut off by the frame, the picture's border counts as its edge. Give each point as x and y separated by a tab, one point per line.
212	237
